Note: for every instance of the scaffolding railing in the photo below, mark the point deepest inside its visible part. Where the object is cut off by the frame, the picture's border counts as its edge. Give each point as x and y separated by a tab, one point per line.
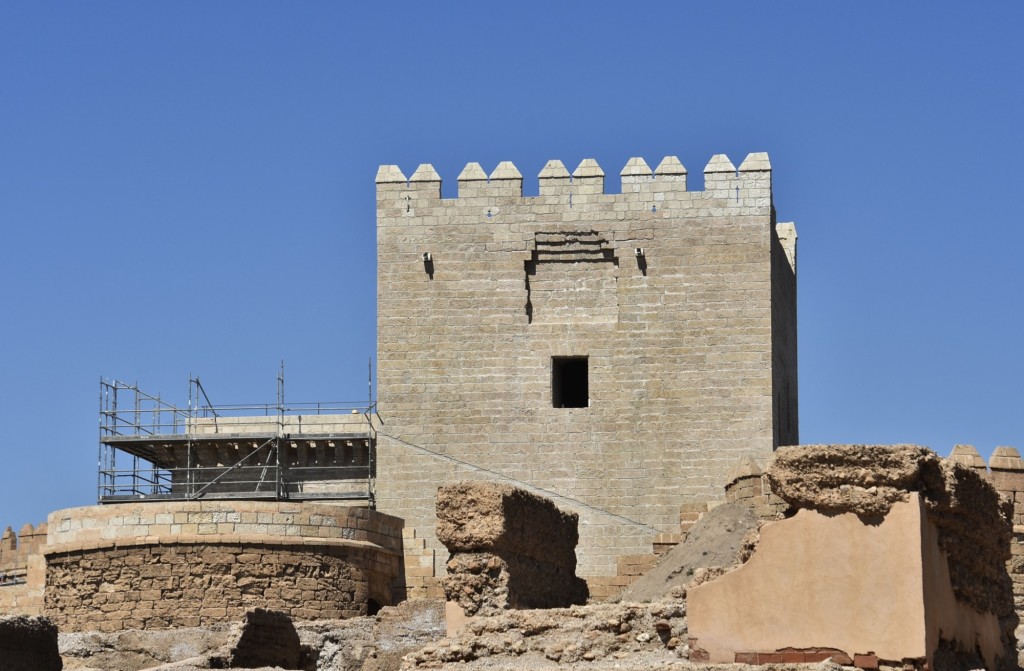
150	449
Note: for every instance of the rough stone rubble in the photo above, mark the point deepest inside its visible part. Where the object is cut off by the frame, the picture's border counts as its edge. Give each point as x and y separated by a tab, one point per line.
509	549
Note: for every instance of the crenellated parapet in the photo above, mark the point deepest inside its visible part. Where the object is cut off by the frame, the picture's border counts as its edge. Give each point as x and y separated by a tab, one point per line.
748	186
22	570
17	547
649	329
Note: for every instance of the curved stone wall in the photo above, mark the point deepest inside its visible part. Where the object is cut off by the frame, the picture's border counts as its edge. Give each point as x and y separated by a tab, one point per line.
186	564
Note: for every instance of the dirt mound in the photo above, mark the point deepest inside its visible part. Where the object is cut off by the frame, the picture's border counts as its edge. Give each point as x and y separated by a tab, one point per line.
715	540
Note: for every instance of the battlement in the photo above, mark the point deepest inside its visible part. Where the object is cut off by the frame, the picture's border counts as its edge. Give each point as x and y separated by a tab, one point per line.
749	185
16	547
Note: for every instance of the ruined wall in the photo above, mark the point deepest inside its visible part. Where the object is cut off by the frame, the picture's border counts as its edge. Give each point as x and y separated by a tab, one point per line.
22	570
169	564
509	549
192	582
916	542
682	344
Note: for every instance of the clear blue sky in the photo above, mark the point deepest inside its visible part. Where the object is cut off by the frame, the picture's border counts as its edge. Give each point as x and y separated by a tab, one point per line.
188	187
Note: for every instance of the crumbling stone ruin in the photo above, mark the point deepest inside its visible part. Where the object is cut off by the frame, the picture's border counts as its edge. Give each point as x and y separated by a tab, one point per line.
509	549
913	547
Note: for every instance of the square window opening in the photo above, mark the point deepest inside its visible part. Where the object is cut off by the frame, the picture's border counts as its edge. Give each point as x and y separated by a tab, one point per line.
570	384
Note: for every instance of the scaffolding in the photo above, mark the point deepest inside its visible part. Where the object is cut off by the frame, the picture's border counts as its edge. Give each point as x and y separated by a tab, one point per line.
150	449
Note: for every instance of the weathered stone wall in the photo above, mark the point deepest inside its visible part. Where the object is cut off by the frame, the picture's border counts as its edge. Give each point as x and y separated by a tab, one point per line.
683	343
164	564
509	549
193	582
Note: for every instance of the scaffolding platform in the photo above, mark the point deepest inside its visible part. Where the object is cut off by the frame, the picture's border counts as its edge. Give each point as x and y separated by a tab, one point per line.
153	450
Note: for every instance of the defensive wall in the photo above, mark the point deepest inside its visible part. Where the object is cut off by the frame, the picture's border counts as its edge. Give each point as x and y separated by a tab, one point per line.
619	353
179	564
22	570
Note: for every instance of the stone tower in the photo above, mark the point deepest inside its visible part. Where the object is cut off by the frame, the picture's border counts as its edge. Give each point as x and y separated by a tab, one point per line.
619	353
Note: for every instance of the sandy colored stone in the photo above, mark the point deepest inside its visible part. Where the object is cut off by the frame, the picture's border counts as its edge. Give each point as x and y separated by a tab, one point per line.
509	549
863	479
491	517
690	346
716	540
192	584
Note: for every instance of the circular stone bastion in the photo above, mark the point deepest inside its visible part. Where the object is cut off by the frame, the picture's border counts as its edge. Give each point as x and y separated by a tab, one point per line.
187	564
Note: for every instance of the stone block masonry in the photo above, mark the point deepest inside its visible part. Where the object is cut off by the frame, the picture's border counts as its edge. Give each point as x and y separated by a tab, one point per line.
193	582
185	564
617	352
22	570
509	549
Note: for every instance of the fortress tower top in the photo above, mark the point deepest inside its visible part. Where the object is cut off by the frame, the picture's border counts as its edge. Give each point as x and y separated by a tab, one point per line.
620	352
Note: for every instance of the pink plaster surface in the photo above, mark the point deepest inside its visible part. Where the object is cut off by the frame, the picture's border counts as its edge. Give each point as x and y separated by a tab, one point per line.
818	581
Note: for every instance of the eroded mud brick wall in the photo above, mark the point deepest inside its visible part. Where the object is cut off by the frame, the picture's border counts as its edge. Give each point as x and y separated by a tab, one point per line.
623	351
509	549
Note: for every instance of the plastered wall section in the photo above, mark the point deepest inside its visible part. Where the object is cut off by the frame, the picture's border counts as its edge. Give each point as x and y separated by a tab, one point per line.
880	589
683	380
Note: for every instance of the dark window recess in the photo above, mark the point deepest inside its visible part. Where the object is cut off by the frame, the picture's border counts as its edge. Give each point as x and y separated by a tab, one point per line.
570	386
